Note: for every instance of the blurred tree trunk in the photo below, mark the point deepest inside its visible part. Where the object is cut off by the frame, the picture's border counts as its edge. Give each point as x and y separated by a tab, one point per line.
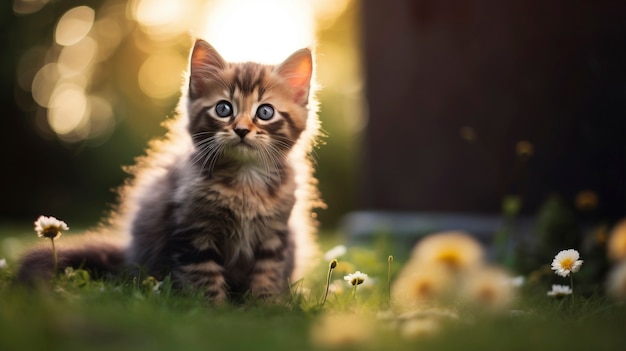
454	87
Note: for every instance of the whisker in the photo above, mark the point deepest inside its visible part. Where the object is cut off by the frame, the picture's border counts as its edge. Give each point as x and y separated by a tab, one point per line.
269	157
217	152
210	157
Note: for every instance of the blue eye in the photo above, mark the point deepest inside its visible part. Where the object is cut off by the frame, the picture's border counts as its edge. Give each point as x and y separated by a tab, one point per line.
265	112
224	109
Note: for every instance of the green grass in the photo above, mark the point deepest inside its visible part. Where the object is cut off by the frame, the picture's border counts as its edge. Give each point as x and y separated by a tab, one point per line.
77	313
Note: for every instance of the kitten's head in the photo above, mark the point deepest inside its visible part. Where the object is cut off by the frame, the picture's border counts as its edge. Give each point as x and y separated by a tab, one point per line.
247	110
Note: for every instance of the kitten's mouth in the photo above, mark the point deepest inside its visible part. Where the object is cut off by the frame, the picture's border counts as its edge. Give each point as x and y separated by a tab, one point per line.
243	148
242	151
242	144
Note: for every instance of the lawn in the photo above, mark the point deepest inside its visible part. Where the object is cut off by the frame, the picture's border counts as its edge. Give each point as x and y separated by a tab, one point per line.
78	313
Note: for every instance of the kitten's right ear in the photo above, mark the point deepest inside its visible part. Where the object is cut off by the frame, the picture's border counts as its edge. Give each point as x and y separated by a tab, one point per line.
297	70
205	62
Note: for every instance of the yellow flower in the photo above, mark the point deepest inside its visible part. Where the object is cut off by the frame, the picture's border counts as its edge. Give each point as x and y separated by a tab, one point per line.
152	283
49	227
617	242
420	327
566	262
489	287
416	285
334	330
616	283
455	250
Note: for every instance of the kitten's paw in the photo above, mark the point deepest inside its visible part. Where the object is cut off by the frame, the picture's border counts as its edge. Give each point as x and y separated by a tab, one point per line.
270	293
216	297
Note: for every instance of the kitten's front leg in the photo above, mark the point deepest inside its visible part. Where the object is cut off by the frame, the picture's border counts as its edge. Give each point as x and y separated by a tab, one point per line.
271	269
203	270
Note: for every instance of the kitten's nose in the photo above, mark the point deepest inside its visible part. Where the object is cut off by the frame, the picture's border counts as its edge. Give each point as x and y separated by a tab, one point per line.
242	132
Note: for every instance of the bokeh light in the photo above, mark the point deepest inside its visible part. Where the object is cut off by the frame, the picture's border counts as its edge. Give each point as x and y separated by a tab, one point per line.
74	25
68	110
76	58
160	75
161	19
138	50
99	78
25	7
43	83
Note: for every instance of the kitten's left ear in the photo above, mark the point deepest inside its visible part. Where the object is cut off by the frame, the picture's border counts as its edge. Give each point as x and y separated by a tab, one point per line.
204	62
297	71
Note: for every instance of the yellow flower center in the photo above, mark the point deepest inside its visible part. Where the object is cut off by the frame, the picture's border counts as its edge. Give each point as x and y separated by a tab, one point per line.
50	232
487	294
567	263
450	258
423	290
357	281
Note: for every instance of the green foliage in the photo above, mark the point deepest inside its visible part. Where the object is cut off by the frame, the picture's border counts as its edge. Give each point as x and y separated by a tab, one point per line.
556	227
77	312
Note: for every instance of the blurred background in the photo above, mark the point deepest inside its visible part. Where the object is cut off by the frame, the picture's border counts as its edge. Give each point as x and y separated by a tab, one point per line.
484	108
87	83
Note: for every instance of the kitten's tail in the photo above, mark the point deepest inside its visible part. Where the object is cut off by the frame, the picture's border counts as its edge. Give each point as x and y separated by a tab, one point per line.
99	255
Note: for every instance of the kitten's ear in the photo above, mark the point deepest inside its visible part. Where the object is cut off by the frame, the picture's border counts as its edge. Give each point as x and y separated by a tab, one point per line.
297	71
205	61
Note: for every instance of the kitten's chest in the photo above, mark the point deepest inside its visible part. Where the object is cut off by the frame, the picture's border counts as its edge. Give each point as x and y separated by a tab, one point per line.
250	193
240	213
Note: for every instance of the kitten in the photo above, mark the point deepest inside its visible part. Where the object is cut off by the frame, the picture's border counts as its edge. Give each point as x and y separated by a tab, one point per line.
224	203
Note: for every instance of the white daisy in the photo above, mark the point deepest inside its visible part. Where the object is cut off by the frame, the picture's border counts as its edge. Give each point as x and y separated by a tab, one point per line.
566	262
355	278
3	263
560	290
49	227
335	252
342	330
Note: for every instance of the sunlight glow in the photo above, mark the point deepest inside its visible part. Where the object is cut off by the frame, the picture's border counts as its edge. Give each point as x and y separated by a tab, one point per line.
160	18
326	11
76	94
263	31
157	12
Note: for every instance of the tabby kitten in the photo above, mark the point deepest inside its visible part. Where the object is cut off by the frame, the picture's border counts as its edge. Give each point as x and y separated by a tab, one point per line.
222	204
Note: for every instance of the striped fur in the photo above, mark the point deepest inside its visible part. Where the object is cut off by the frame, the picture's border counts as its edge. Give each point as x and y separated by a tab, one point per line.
223	203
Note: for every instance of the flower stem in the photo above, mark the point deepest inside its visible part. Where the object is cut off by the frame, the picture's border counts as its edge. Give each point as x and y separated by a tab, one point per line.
354	292
54	257
389	264
331	267
571	283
